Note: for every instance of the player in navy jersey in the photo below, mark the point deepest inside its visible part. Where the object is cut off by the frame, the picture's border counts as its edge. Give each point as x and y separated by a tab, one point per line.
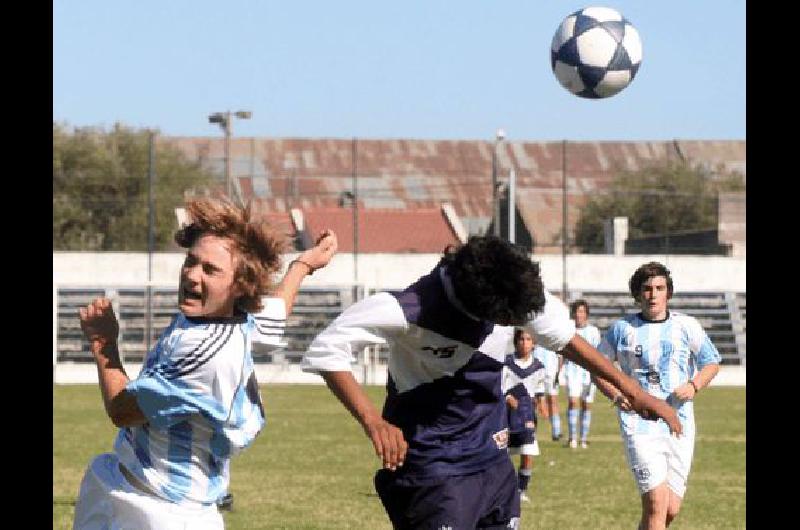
442	436
523	379
196	401
580	389
672	358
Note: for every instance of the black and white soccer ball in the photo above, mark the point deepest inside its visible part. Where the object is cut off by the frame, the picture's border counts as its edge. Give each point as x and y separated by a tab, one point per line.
595	52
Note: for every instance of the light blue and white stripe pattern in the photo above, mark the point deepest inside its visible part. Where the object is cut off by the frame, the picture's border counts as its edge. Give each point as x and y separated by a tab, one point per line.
198	391
661	356
574	371
548	358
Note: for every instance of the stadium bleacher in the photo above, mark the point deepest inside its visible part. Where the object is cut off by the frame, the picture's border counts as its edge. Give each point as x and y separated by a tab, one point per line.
722	315
314	308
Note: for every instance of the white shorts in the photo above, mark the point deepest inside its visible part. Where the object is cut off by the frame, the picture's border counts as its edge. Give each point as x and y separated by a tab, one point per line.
550	386
107	501
658	458
580	389
525	449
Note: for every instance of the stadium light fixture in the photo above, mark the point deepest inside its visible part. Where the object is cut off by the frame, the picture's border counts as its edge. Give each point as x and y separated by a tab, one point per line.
224	121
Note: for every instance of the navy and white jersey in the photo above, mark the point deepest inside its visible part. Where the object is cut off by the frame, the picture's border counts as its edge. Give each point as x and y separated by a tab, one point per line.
523	379
199	393
445	365
660	355
572	370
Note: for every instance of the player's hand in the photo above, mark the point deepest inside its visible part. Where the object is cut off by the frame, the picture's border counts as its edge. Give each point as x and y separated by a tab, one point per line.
322	252
389	443
622	402
652	408
98	322
685	392
512	402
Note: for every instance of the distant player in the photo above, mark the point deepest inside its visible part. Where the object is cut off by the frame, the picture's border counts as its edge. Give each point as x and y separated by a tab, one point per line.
443	433
196	401
672	358
580	388
523	378
548	405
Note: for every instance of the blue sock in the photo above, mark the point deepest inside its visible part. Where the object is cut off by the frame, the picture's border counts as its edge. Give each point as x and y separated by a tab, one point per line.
555	423
586	420
572	421
523	477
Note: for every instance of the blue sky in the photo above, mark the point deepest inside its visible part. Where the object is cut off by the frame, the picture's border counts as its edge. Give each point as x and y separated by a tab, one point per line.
413	69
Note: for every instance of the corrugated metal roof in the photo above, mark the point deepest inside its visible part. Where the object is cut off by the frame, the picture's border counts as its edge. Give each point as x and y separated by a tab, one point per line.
423	230
403	173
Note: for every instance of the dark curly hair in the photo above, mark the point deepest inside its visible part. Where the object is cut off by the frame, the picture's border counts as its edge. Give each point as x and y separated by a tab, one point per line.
644	273
495	280
256	245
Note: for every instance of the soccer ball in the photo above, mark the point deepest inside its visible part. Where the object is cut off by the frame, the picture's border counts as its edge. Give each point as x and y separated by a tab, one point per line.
595	52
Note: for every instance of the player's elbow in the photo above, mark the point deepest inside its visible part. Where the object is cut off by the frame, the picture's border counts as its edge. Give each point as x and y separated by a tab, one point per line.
124	411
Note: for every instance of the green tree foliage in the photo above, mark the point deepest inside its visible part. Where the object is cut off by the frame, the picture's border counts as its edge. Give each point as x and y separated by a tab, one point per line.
673	197
100	188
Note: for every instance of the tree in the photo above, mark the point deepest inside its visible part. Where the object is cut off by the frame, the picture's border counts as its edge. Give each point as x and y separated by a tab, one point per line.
100	188
667	198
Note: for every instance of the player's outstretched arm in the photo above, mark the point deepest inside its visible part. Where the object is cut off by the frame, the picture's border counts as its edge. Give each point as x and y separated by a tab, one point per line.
101	329
612	393
306	263
388	441
647	406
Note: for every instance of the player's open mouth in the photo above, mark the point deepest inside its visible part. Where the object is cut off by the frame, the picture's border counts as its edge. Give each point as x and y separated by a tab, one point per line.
191	295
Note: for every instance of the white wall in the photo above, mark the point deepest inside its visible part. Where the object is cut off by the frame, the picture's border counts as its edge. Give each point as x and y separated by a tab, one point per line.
85	374
387	271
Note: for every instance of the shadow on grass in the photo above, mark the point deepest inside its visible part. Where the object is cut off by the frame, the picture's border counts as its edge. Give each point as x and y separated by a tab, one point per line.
64	502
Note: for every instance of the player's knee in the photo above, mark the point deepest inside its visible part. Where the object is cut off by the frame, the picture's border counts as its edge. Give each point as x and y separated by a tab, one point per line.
672	511
655	502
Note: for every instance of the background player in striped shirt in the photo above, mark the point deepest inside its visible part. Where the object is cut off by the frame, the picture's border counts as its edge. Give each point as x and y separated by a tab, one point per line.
443	433
580	388
523	379
196	401
548	405
672	358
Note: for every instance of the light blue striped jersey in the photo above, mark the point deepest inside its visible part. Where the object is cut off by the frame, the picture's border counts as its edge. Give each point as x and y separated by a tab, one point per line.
574	371
661	356
548	358
199	393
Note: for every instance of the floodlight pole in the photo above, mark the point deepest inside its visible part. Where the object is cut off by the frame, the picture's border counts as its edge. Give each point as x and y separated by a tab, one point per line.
224	119
512	213
564	220
499	137
150	239
354	154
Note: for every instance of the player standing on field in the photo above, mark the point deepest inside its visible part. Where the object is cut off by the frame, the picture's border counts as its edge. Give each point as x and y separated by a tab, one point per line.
196	401
580	387
672	358
443	432
548	405
523	379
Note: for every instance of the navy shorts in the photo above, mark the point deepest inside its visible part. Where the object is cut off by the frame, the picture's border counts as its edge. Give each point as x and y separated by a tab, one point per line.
487	499
520	438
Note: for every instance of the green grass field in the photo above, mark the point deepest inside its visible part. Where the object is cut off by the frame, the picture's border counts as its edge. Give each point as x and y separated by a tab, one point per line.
312	466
